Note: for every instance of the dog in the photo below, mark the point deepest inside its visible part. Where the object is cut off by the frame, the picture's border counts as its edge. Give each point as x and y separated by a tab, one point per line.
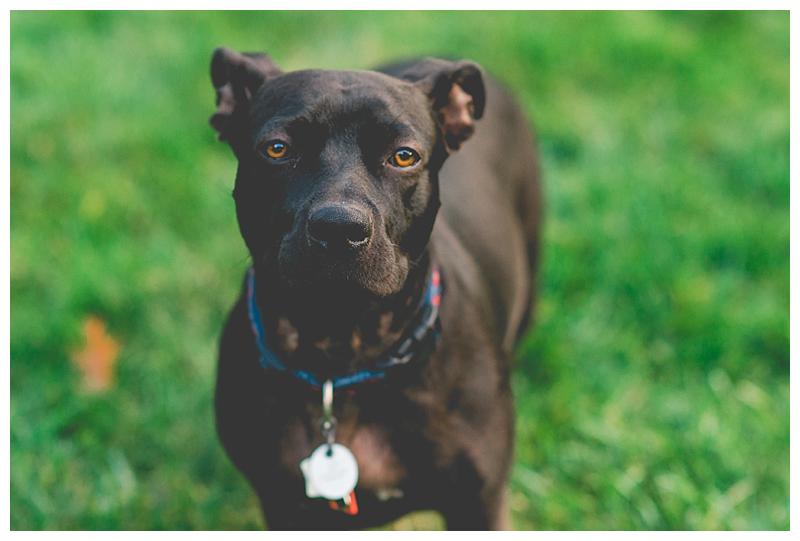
392	218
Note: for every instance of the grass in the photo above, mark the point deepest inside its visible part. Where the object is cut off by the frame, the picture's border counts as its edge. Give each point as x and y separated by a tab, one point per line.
653	392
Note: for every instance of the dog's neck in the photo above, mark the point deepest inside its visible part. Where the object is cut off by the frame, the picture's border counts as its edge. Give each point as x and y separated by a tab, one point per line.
336	332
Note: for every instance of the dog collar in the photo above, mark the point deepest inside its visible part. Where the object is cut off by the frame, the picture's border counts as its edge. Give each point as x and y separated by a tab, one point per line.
412	345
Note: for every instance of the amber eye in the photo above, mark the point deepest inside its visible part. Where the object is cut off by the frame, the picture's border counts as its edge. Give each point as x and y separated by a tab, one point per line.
276	149
404	157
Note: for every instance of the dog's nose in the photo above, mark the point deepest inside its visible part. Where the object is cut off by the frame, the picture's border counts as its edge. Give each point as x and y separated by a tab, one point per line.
339	227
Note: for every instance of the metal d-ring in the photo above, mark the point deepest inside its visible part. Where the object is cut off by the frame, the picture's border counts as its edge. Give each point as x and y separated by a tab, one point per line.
328	427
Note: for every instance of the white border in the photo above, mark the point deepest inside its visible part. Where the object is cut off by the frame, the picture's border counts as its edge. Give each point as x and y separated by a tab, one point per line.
5	134
794	376
5	266
476	5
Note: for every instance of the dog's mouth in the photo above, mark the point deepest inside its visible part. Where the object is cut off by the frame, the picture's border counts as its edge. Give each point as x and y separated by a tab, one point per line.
374	269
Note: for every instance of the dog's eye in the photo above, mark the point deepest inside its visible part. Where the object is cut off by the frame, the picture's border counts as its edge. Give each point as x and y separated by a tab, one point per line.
404	157
276	149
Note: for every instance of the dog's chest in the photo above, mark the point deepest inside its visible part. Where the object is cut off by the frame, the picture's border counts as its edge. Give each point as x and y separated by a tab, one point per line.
380	468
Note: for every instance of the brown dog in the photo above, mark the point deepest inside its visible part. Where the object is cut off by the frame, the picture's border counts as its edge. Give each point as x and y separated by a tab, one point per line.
363	289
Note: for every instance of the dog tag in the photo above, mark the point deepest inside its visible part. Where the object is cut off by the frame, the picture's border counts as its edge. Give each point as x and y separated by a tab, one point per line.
330	472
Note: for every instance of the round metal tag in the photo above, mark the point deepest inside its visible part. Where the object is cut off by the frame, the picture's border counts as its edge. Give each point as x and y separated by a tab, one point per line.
333	471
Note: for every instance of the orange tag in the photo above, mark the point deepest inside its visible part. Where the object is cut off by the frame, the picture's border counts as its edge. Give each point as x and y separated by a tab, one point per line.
348	506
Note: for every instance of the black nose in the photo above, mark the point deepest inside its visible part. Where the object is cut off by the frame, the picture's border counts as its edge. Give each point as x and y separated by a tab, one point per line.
339	227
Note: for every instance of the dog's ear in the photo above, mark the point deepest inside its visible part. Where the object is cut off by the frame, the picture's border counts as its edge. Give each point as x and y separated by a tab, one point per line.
456	92
236	78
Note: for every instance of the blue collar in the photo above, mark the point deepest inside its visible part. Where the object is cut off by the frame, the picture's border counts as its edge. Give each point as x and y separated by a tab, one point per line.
402	353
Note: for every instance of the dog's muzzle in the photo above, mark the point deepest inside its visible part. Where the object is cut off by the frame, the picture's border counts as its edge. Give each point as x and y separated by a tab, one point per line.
339	228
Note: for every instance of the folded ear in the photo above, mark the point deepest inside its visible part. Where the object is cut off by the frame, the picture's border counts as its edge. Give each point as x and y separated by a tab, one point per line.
236	78
457	95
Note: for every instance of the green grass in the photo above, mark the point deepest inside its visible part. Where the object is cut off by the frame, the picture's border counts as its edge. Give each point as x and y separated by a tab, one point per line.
653	392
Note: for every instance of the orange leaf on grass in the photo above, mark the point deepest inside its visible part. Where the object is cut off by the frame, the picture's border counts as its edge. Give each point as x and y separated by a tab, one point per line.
97	358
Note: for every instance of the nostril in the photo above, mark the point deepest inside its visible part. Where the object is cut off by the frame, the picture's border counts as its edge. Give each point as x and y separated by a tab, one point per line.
356	232
339	226
317	230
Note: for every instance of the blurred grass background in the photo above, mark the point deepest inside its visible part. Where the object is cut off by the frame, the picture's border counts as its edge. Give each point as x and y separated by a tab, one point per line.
653	391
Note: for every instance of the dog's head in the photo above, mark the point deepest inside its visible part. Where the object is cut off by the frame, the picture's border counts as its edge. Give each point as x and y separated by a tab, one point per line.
337	185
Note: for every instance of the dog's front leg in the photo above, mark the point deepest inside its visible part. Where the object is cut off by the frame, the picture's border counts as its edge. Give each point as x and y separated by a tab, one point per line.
474	502
479	512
